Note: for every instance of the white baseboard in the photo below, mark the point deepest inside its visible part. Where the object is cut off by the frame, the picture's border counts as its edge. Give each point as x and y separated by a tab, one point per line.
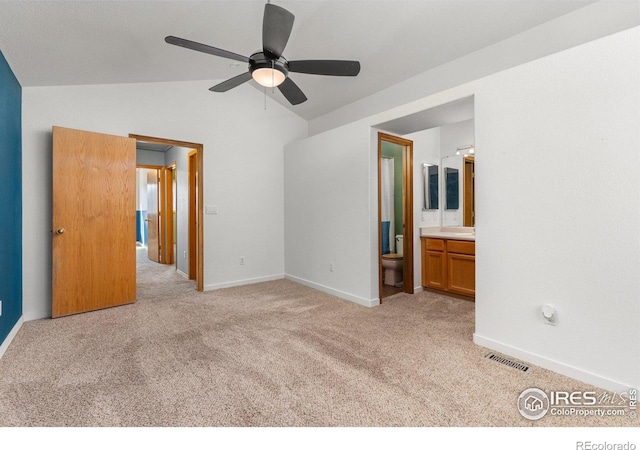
180	272
36	315
213	287
553	365
343	295
10	336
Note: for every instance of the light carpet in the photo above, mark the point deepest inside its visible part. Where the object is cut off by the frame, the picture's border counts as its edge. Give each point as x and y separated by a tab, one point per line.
274	354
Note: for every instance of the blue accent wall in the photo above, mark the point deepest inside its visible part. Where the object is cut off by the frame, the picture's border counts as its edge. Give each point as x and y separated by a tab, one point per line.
10	199
142	229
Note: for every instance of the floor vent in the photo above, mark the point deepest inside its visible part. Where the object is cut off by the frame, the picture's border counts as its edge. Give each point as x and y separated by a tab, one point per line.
508	362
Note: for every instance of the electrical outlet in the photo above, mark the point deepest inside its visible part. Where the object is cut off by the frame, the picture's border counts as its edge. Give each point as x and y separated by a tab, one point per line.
242	260
331	267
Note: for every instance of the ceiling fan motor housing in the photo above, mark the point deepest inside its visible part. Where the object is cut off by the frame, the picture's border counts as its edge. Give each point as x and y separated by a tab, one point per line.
261	61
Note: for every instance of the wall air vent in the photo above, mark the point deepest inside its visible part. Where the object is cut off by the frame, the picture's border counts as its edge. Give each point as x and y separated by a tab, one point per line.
508	362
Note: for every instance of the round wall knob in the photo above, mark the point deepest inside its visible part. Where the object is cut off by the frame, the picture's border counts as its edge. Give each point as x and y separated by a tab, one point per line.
60	231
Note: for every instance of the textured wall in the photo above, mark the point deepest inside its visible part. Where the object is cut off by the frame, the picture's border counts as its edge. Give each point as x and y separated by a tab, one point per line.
242	169
557	208
558	211
10	199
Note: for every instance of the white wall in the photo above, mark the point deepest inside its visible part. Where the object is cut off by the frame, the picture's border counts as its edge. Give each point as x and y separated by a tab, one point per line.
242	176
557	208
141	189
327	213
180	156
558	212
149	158
452	137
426	149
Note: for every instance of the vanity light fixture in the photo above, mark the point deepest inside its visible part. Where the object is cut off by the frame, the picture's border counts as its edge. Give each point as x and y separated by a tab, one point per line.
471	150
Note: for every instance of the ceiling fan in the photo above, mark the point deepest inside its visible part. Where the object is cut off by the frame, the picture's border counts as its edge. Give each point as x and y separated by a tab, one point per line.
267	66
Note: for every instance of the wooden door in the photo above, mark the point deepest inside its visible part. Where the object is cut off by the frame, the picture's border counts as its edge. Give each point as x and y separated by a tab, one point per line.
469	219
169	237
153	211
94	222
193	215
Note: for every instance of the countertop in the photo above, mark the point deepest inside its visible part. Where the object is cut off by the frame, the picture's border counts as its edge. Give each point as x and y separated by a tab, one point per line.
459	233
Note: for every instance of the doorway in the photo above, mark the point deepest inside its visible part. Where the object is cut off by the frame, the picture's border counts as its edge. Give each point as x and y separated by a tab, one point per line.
156	212
185	252
150	225
395	215
193	211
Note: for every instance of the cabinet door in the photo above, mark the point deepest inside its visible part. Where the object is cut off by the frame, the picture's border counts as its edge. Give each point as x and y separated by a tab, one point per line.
434	270
461	277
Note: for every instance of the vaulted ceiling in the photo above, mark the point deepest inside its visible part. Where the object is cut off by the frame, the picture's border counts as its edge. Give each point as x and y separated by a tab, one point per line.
50	43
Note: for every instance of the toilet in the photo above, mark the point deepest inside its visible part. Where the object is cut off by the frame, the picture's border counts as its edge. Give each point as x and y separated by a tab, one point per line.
392	264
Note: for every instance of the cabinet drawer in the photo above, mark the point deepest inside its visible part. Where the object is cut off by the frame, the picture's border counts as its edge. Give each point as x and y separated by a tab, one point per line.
435	244
463	247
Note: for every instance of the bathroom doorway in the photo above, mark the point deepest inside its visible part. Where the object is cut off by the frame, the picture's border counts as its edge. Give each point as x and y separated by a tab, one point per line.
395	215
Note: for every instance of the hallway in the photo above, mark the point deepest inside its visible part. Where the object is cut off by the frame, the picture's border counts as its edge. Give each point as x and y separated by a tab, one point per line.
158	281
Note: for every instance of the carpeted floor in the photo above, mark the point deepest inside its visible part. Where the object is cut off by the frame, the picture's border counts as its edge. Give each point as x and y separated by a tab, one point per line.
270	354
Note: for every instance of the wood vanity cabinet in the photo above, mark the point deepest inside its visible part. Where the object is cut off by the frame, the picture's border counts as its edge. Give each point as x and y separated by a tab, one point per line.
449	265
434	263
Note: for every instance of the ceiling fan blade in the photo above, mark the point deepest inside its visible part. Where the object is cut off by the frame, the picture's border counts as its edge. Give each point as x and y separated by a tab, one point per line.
231	83
292	92
326	67
204	48
276	29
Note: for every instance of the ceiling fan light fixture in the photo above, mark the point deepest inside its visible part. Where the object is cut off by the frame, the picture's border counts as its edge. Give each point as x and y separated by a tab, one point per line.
267	66
268	77
266	71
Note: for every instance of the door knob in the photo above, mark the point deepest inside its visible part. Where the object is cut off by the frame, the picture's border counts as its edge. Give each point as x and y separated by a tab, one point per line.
60	231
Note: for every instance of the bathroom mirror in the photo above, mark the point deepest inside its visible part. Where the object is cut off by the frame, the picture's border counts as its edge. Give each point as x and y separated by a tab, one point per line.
430	181
452	195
